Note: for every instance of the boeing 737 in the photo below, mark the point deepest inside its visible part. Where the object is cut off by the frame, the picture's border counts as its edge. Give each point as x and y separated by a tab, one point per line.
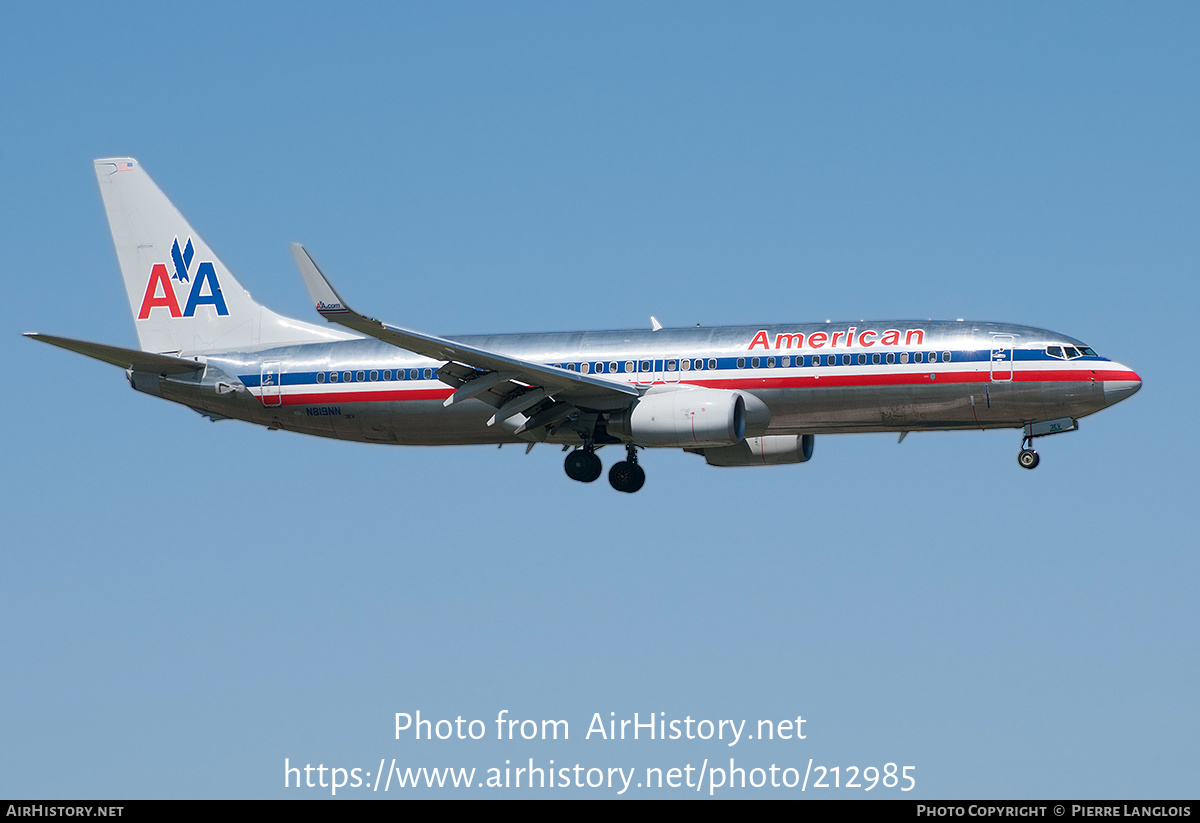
737	395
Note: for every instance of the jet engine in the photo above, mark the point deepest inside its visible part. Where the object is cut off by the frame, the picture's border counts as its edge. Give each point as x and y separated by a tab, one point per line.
687	417
773	450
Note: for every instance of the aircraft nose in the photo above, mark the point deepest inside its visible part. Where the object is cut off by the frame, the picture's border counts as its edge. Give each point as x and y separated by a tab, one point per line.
1126	384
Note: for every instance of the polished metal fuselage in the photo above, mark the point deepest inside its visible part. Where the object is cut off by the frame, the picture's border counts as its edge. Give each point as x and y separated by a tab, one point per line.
943	375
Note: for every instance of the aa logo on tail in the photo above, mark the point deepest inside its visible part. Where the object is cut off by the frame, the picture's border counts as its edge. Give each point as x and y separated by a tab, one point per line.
161	292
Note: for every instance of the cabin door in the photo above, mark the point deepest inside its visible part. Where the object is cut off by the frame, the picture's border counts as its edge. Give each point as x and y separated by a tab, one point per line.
269	384
1002	358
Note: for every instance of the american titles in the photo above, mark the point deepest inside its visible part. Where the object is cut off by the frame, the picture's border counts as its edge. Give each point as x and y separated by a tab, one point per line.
847	339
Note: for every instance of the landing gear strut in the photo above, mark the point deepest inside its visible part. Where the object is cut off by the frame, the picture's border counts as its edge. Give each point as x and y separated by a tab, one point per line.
627	476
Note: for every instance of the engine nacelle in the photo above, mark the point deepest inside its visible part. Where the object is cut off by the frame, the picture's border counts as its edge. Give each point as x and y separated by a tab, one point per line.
684	417
773	450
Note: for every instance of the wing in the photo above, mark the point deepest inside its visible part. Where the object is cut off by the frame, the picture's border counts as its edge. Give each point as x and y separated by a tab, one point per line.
509	383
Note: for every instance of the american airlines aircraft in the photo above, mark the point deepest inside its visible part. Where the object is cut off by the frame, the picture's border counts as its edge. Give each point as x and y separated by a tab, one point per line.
736	395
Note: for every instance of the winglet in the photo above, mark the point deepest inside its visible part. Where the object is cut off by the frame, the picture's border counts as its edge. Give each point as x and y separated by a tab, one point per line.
326	300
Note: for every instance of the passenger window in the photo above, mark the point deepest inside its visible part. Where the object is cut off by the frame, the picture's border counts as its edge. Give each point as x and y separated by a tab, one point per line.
830	360
712	364
629	367
428	373
320	377
741	363
945	357
903	357
374	376
612	368
875	358
770	362
686	365
333	377
346	377
360	377
387	374
754	361
891	358
699	365
845	360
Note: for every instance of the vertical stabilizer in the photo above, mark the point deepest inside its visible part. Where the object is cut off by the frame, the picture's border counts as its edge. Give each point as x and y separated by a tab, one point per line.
184	300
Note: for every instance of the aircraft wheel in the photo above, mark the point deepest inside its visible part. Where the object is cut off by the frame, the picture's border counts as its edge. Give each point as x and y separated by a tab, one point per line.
626	476
1028	459
583	466
595	468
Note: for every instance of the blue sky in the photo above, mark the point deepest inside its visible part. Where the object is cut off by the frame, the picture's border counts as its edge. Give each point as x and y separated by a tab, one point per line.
187	604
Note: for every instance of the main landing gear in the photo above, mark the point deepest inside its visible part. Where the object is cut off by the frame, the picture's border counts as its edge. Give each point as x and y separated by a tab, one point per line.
627	476
583	465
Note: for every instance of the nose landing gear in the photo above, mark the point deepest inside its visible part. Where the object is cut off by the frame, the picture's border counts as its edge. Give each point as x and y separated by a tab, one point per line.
1028	458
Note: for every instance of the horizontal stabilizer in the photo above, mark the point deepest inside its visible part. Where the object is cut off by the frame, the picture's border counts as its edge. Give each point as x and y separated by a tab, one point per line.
125	358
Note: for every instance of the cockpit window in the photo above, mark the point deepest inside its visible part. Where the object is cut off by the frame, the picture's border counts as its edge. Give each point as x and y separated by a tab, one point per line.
1070	352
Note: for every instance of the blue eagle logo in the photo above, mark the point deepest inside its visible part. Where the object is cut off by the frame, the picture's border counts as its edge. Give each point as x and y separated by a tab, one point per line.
182	261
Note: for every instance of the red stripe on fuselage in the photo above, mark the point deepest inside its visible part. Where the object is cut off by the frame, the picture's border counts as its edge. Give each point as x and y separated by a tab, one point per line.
814	378
367	396
817	380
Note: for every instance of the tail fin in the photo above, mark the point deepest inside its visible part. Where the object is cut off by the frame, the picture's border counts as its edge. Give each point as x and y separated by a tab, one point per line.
183	298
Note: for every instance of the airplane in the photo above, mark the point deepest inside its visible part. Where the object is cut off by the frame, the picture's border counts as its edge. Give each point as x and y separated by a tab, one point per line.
735	395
